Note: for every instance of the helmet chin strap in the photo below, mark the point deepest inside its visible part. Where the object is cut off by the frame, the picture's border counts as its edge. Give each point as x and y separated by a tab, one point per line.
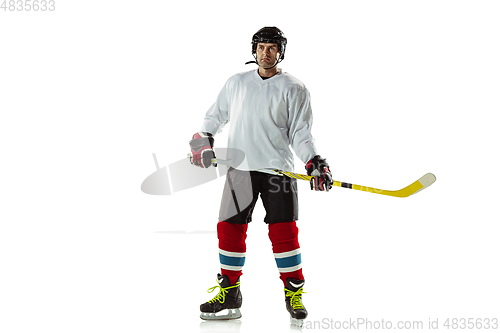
255	62
275	64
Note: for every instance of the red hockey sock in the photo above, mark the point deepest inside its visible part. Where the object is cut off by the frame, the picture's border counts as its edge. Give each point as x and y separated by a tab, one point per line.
286	249
232	248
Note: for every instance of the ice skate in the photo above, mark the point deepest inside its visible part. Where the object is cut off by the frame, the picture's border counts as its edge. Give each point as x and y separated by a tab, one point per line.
293	299
227	303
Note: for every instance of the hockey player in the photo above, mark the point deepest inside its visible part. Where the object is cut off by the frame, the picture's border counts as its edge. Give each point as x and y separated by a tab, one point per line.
268	112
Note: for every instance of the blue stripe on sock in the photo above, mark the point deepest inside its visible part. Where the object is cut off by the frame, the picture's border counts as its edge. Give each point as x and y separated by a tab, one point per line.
288	261
231	261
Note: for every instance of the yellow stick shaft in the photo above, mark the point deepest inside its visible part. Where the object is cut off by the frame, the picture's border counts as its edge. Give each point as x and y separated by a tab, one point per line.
413	188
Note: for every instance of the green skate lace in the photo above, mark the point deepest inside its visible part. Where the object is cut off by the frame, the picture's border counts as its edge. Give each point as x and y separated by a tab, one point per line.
295	298
221	296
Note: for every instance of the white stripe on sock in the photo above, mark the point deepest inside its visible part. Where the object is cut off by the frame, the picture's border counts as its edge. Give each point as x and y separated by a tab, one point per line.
231	268
287	254
232	254
290	269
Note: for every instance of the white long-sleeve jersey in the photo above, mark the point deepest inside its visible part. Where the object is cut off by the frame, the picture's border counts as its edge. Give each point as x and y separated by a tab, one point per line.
265	118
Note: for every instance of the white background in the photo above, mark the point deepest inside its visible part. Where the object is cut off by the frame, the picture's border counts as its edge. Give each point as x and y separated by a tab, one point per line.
399	88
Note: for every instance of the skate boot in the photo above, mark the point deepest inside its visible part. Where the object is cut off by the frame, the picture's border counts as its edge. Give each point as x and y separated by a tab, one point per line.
229	298
293	299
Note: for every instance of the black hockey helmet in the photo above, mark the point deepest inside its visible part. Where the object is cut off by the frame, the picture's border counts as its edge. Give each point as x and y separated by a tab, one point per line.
269	35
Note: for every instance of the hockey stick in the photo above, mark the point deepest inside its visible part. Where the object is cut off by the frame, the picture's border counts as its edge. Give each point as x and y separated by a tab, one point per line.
417	186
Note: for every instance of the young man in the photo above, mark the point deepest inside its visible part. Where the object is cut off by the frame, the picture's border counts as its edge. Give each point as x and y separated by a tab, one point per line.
268	112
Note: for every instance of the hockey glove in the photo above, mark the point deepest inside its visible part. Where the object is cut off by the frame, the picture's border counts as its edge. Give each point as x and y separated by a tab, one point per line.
320	170
202	149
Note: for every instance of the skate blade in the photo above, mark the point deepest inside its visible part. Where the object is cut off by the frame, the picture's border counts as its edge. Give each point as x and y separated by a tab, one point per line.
296	322
231	314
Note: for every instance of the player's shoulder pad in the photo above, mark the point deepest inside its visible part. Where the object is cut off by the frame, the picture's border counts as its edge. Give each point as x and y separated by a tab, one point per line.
293	81
238	78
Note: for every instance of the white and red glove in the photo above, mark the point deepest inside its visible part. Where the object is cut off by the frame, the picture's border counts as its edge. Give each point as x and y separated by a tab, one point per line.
202	149
320	170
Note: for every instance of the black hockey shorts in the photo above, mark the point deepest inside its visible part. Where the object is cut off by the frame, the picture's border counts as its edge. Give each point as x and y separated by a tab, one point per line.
242	189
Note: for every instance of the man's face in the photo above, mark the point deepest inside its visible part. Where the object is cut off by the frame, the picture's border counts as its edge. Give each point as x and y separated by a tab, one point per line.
267	54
